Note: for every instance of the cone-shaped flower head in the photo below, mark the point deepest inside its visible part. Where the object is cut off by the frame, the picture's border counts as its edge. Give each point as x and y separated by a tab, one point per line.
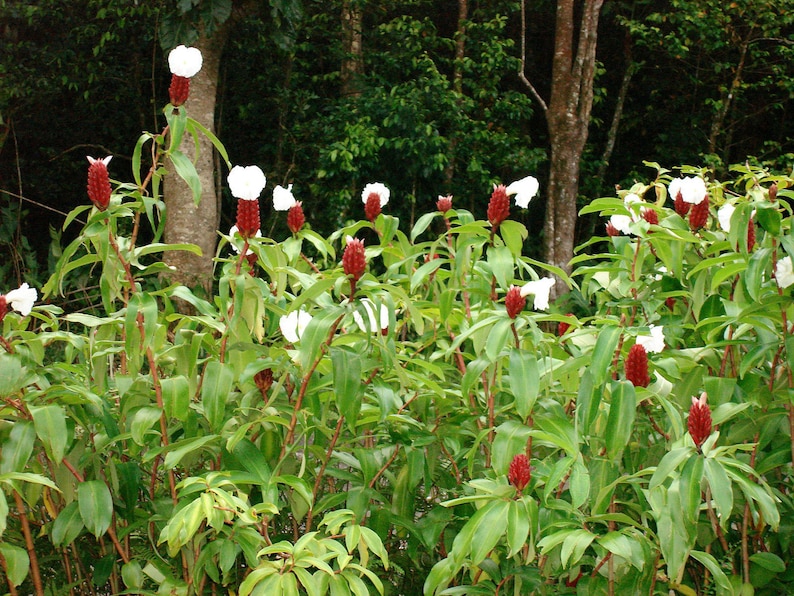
246	184
99	181
264	380
650	216
681	207
283	199
611	230
519	472
374	196
184	63
499	206
248	218
444	204
20	300
637	366
541	289
524	189
784	272
698	215
514	302
354	261
563	326
295	217
294	324
699	421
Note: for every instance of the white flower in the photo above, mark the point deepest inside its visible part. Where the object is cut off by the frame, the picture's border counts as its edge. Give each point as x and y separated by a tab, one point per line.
724	214
184	62
653	343
374	325
283	199
233	230
524	189
692	189
540	289
22	299
246	182
784	273
621	223
294	324
377	188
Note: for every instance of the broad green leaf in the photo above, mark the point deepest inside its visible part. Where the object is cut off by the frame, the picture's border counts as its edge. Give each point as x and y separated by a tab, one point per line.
177	451
252	459
524	380
11	374
348	385
17	448
143	421
574	545
511	438
670	461
769	561
620	423
517	526
215	391
579	482
96	506
17	563
67	526
603	352
721	489
710	563
176	397
482	532
50	424
187	171
497	338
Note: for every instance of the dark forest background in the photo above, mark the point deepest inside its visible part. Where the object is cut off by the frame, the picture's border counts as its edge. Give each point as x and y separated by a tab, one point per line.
701	82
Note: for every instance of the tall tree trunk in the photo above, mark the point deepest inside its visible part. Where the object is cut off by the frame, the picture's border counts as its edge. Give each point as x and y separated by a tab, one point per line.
353	59
186	222
568	120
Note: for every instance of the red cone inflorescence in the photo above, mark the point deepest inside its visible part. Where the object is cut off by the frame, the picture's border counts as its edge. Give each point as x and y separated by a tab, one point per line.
354	261
519	473
372	206
698	215
650	216
750	235
681	206
99	182
773	192
699	422
499	206
3	308
295	217
247	217
444	204
637	366
562	326
178	90
264	380
670	302
611	229
514	302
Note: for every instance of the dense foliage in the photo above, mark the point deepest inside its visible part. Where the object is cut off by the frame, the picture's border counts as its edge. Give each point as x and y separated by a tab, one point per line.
380	411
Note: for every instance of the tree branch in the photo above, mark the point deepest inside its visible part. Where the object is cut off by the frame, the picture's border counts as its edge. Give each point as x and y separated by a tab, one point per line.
522	73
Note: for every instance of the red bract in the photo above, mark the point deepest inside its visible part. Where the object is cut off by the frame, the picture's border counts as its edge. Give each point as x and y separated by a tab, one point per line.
562	326
699	214
514	302
519	473
178	90
444	204
612	230
750	235
354	261
3	307
699	422
670	302
681	206
499	206
372	206
650	216
295	217
99	182
247	217
637	366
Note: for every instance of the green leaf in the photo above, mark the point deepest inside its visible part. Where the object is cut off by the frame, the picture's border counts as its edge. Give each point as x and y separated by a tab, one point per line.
481	533
500	260
579	482
769	219
176	397
709	562
50	424
524	380
622	411
187	171
511	438
17	562
17	448
177	451
497	338
215	391
422	223
721	489
769	561
11	374
253	460
348	386
517	526
603	352
96	506
574	545
67	526
670	462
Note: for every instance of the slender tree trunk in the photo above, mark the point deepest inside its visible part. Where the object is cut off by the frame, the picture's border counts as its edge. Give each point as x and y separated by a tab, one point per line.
353	59
719	119
186	222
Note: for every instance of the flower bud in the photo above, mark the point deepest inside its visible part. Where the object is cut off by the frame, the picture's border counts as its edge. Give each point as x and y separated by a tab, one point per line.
444	204
637	366
178	90
698	215
499	206
264	380
354	261
295	217
773	192
99	182
519	472
372	206
514	302
681	206
750	235
699	421
247	217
